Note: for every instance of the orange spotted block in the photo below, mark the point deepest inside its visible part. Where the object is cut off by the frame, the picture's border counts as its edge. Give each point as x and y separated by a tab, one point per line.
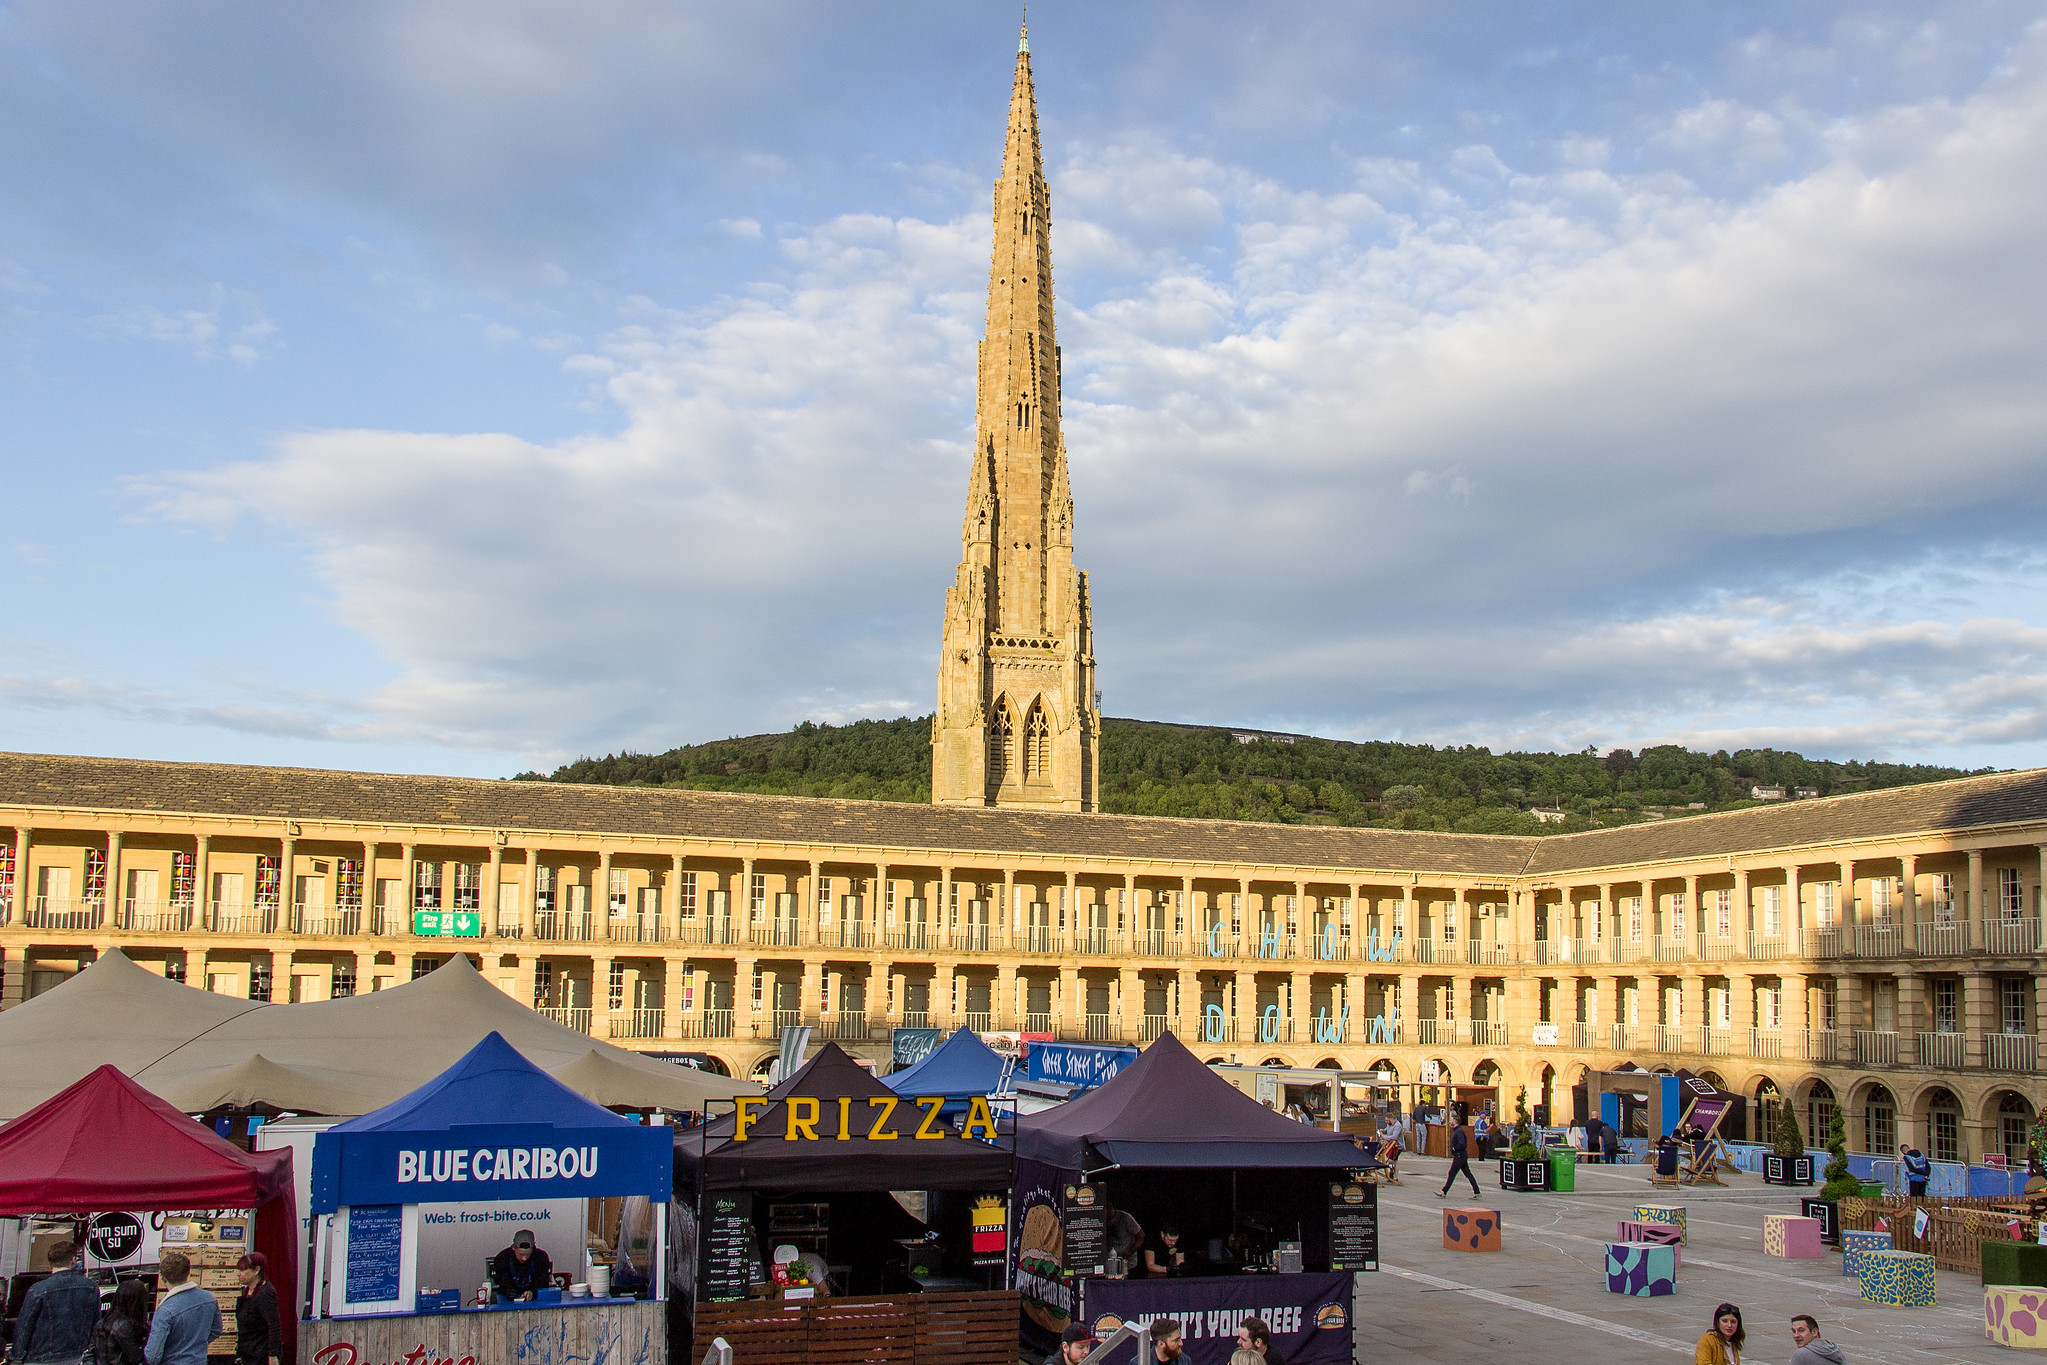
1471	1229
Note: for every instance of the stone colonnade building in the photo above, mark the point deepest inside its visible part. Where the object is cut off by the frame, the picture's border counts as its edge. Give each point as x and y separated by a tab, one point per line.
1877	951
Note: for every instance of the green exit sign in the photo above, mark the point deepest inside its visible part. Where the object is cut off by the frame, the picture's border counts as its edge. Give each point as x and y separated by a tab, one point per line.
447	924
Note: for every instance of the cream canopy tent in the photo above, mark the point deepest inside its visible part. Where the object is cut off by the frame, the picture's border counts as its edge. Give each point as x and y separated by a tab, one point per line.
202	1051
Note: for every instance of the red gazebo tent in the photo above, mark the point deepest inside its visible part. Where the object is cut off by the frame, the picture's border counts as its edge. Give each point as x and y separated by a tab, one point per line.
107	1145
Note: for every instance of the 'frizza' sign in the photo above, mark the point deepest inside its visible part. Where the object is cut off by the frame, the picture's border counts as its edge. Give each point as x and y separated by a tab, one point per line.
801	1115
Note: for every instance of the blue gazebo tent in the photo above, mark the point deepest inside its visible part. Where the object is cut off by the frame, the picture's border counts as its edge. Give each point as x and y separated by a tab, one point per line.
960	1067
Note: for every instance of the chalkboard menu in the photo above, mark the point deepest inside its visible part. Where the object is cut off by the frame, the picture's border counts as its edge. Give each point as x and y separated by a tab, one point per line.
1086	1228
376	1235
1353	1226
728	1246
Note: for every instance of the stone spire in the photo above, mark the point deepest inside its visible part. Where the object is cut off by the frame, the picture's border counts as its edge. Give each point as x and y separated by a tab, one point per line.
1016	721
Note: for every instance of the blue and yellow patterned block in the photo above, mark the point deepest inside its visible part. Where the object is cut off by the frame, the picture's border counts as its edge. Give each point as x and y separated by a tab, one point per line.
1673	1214
1902	1279
1855	1245
1641	1269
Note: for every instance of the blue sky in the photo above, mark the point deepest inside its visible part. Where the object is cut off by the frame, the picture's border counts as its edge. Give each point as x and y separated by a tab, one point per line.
462	388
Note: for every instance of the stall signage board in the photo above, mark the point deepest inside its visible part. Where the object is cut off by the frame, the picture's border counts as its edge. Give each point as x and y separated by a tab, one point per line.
1085	1225
1309	1314
488	1163
1081	1064
447	924
728	1241
1353	1226
375	1241
908	1046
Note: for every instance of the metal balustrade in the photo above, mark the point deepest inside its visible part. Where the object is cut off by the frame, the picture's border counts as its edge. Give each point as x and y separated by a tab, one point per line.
1158	943
557	926
63	912
1716	1042
1875	1047
1156	1024
1767	1044
508	928
971	938
1039	938
637	1024
1667	948
1831	941
1666	1038
1489	1032
228	917
567	1016
2011	1051
1429	951
634	929
2011	937
1632	950
856	936
1101	1028
1948	1051
1621	1037
1489	954
1881	938
1713	948
1037	1022
1434	1032
1584	1034
1765	946
1827	1045
849	1026
159	917
322	922
710	1024
1943	938
775	934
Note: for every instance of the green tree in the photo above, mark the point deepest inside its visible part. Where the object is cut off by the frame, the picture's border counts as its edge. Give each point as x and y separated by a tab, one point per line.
1840	1184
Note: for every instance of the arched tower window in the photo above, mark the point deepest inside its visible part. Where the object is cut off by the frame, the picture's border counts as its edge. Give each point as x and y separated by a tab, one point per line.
1037	743
1001	743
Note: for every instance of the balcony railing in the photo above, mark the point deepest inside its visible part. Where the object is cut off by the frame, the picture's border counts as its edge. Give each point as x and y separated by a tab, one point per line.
1669	948
971	938
1715	948
1875	1047
1041	938
64	912
158	917
1943	938
919	938
559	926
228	917
1716	1042
508	927
634	929
1037	1021
849	1026
783	933
1156	1024
1489	1032
709	1024
1767	945
1586	1035
2011	937
1831	941
1666	1038
1098	942
568	1016
1550	952
1101	1028
856	936
722	931
1767	1044
637	1024
1435	1032
1884	938
2011	1051
980	1021
1948	1051
1620	1037
1158	943
326	922
1428	950
1828	1045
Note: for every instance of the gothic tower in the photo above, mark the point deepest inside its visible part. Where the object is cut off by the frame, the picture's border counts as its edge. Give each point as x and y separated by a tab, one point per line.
1016	722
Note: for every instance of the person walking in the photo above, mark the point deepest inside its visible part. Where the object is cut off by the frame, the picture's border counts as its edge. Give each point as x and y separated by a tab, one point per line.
1722	1343
186	1320
259	1337
1813	1349
122	1331
59	1313
1918	1170
1460	1160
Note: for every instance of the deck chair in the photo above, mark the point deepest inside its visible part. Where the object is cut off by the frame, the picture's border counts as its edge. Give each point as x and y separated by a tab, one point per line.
1665	1167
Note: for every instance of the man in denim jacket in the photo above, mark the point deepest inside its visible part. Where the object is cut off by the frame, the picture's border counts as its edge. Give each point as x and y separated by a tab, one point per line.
187	1318
59	1313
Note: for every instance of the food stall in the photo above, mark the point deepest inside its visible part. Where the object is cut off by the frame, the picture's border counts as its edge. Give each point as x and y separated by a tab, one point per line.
829	1164
1358	1098
959	1068
1274	1215
411	1201
104	1145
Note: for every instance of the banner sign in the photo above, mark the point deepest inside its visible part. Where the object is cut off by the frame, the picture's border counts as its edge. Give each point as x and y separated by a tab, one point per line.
489	1162
908	1046
1082	1064
1353	1225
1309	1314
728	1246
375	1239
1084	1229
1037	1247
447	924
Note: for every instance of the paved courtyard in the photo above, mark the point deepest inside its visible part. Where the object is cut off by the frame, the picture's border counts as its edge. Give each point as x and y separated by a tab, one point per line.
1544	1298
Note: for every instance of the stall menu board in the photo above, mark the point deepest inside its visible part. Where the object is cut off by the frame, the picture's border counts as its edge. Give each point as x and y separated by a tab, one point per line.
376	1235
1085	1226
1353	1226
728	1246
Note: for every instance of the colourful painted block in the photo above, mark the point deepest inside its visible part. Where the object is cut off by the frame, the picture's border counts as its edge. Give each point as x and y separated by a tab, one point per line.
1471	1229
2016	1315
1794	1238
1641	1269
2014	1263
1855	1244
1672	1214
1656	1234
1902	1279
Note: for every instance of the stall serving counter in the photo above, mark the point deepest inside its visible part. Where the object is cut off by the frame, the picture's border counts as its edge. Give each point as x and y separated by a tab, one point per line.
411	1203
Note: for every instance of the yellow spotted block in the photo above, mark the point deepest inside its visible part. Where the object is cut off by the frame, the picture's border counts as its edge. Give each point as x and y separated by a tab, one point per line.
1672	1214
1902	1279
1797	1238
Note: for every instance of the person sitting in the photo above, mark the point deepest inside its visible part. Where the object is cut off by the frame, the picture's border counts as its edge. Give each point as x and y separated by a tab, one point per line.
521	1269
1668	1154
1166	1255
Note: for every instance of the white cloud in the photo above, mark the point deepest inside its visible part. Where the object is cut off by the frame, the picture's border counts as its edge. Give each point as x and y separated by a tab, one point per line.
1471	450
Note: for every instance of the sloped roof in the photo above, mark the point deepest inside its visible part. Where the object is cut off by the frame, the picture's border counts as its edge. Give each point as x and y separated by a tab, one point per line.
960	1066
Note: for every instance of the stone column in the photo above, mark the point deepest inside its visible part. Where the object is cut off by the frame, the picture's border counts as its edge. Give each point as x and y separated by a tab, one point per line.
1695	912
1130	987
287	893
1070	1004
367	923
1977	909
113	913
744	1021
1979	1011
1245	1007
1691	997
1745	911
1911	1018
1908	879
408	893
674	974
202	880
1005	1007
600	898
487	911
600	995
1300	1011
1187	1003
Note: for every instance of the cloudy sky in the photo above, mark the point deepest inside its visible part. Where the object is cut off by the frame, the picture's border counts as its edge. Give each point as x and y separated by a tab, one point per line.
467	386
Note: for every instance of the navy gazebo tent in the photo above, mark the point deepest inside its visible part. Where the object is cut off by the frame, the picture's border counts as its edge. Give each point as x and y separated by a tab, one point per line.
959	1068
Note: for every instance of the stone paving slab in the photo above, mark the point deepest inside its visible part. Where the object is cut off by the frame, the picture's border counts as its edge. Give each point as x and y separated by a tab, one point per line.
1546	1290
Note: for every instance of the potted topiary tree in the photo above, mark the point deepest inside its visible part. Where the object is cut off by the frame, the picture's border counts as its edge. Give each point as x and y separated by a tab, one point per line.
1840	1184
1787	1163
1523	1168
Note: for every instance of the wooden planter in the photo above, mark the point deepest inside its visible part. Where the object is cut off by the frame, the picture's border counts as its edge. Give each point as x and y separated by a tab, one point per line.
1524	1175
1779	1171
1829	1214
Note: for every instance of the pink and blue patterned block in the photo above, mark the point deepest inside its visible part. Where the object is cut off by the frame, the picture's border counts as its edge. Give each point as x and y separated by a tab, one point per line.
1641	1269
1902	1279
1855	1245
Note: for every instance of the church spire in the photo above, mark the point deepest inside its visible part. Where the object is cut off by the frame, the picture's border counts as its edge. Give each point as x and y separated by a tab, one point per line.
1006	733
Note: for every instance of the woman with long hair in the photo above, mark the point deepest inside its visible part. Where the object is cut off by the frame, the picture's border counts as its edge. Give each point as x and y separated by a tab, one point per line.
259	1337
1722	1344
124	1328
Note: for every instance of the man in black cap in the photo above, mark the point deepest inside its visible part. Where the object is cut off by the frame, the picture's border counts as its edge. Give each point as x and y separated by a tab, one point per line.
1074	1344
520	1269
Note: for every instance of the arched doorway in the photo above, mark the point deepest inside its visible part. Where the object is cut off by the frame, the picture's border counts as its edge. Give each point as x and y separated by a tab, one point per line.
1714	1079
1274	1061
1769	1109
1819	1114
1879	1122
1329	1064
762	1067
1385	1072
1546	1089
1943	1125
2014	1129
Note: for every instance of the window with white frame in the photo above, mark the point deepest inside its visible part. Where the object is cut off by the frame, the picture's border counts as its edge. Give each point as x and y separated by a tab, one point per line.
888	903
1944	897
1882	891
615	889
758	979
545	880
615	988
2011	893
824	900
1947	1005
426	886
543	984
1770	1007
468	886
686	895
1823	904
2011	1001
1634	908
757	897
1829	1002
1677	914
1773	912
1722	1005
1723	913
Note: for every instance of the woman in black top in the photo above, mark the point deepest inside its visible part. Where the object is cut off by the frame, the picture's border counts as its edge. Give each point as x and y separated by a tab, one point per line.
119	1337
258	1337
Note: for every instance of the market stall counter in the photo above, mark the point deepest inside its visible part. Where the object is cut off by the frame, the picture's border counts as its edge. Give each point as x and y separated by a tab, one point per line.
1167	1192
424	1207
